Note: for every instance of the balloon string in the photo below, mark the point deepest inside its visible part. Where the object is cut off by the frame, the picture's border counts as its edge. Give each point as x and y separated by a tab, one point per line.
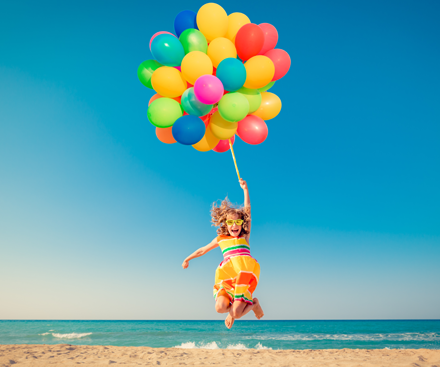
233	156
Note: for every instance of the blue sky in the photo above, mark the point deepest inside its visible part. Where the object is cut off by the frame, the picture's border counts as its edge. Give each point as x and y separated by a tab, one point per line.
97	215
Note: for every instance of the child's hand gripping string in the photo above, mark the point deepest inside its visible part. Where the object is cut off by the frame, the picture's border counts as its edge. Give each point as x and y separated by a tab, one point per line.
247	204
243	184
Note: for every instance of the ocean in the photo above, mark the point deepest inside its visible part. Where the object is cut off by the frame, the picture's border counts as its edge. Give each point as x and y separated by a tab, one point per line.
367	334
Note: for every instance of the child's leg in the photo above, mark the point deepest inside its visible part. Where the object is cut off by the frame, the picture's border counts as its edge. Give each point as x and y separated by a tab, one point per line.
222	304
239	309
257	309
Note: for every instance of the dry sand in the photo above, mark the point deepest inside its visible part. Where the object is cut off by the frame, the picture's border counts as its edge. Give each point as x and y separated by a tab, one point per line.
74	355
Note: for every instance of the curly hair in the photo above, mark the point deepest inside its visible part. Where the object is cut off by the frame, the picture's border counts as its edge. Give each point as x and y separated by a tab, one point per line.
221	212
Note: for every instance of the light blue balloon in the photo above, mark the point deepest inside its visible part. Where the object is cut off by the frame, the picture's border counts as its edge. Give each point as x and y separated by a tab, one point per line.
188	130
167	50
192	106
231	73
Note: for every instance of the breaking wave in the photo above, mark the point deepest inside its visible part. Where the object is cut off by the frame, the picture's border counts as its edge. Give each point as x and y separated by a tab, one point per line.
213	345
67	336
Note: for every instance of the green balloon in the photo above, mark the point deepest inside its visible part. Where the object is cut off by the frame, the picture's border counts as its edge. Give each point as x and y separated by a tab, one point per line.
146	70
266	87
193	40
233	107
163	112
253	96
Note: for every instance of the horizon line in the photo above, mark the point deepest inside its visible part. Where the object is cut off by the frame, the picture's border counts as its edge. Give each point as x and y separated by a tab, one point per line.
272	320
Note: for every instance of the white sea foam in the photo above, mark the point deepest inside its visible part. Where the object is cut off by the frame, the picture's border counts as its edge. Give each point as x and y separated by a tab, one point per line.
192	345
44	334
236	346
213	345
71	335
431	337
260	347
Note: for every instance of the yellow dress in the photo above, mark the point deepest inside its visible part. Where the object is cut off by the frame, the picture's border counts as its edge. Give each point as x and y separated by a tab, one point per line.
237	275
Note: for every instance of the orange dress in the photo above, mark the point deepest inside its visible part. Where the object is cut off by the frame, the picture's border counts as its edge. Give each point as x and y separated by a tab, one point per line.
237	275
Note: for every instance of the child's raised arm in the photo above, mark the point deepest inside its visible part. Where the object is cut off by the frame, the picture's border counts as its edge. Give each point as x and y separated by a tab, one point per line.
200	252
247	202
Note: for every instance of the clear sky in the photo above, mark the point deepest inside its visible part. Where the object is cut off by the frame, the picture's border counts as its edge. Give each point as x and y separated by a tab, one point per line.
97	215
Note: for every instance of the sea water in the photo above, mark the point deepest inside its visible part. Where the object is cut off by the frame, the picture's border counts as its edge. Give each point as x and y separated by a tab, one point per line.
274	335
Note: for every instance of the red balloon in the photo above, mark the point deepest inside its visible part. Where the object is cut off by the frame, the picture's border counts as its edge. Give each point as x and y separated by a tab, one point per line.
252	130
223	145
270	37
249	41
281	60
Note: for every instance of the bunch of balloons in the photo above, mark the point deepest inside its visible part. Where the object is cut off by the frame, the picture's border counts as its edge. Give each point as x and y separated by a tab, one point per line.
212	79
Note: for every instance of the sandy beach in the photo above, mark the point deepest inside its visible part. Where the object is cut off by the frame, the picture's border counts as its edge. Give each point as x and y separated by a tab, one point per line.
73	355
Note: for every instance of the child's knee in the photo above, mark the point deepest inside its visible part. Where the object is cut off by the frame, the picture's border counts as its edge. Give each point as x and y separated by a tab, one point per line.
221	307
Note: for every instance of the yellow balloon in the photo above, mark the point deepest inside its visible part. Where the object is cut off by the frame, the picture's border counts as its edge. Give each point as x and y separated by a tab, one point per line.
168	82
194	65
221	128
270	106
259	71
212	21
220	49
236	21
208	142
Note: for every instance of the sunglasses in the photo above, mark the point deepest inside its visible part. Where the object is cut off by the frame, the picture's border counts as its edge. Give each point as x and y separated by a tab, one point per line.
238	222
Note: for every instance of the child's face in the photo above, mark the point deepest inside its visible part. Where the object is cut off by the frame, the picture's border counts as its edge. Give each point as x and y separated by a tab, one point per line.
234	230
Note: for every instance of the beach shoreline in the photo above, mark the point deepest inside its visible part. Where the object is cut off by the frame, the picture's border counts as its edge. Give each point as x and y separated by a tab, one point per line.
96	355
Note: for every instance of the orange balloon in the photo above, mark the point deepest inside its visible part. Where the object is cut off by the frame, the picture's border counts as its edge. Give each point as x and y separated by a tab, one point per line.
220	49
157	96
259	72
208	142
168	82
270	106
165	135
194	65
235	22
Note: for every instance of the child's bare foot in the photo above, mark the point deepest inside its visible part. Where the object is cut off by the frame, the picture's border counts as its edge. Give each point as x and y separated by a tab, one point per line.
229	321
257	309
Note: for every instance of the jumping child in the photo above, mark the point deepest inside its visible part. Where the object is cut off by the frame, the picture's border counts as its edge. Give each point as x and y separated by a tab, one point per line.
237	275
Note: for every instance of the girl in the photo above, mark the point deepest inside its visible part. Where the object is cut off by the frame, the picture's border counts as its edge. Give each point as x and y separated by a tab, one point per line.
237	275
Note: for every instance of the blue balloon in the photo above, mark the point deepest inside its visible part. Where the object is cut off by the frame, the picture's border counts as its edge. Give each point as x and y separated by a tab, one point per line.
232	74
192	105
167	50
188	130
184	20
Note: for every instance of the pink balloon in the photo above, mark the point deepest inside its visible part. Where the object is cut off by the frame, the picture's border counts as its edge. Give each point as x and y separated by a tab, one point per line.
223	145
156	34
281	61
178	68
270	37
252	130
208	89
